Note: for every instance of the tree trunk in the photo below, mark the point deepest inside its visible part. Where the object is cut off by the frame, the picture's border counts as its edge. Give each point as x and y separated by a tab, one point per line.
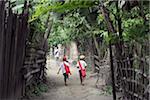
91	55
110	30
97	46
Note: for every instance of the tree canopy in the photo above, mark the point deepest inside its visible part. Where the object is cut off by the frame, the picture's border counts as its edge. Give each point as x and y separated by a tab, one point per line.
83	19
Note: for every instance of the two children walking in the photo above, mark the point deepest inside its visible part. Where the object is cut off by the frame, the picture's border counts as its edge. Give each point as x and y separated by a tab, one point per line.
81	65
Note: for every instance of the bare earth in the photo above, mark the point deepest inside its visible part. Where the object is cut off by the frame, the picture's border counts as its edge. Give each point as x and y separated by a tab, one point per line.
74	91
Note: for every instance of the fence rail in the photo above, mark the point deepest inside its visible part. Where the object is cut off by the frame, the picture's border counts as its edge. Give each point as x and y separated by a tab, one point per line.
13	33
20	65
133	79
34	63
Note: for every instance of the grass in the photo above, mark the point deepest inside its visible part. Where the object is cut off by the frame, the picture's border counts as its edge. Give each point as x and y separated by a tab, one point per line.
107	90
37	90
40	88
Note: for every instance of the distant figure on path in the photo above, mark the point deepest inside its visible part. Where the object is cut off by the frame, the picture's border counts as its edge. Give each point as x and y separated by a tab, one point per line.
57	53
81	65
65	69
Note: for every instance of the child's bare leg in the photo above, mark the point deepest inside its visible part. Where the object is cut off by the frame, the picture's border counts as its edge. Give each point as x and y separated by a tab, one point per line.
80	77
65	78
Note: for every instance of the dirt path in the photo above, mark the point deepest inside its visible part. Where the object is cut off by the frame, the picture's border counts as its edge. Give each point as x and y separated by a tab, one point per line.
74	91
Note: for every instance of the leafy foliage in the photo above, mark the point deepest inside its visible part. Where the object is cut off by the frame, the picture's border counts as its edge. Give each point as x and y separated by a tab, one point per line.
107	90
45	7
134	26
71	21
37	90
72	27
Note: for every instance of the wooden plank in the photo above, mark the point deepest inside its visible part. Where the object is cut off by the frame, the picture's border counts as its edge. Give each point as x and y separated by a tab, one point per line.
133	81
2	16
10	87
29	58
29	62
19	59
96	57
8	48
31	55
29	78
44	63
31	72
41	52
15	60
97	63
137	71
29	81
135	94
97	68
25	34
131	59
12	44
34	65
40	61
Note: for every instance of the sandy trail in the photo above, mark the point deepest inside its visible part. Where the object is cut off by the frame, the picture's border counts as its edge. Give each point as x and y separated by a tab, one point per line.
74	91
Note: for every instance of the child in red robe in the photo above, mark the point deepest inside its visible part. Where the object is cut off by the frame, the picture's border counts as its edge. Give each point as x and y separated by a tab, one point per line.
65	69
